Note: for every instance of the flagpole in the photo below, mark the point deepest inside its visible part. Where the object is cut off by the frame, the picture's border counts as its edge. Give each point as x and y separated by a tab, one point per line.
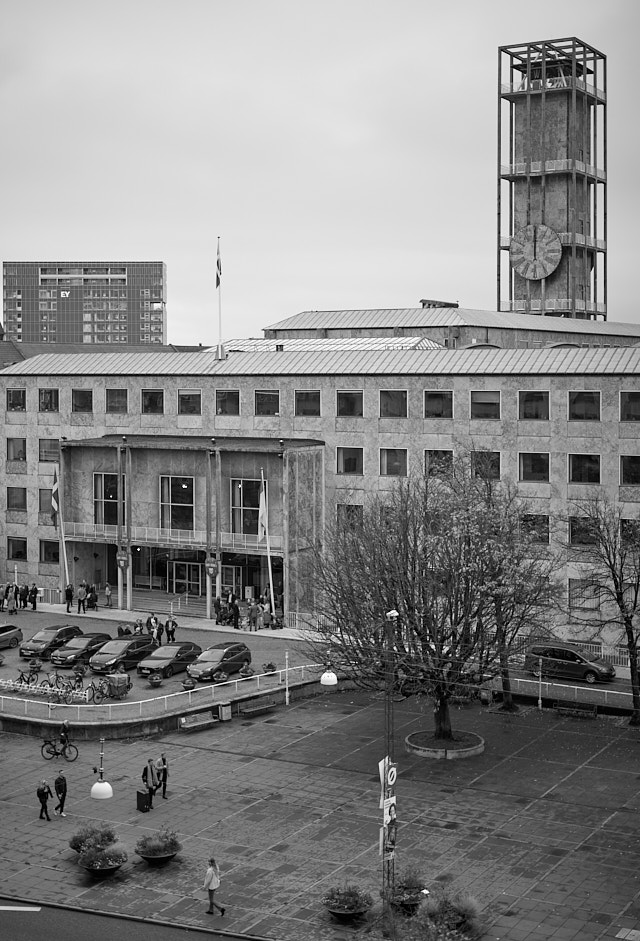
58	503
219	287
266	532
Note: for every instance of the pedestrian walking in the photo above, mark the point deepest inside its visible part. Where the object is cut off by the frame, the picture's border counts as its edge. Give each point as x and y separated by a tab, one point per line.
254	611
68	597
33	596
211	883
60	787
170	628
235	615
162	773
152	623
44	793
107	595
150	780
24	595
11	604
82	599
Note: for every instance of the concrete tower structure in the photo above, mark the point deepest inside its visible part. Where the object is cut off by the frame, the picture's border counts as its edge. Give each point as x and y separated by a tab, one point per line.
552	163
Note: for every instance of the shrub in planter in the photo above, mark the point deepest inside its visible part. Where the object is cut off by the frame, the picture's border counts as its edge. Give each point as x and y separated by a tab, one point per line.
96	834
163	842
347	900
453	916
409	891
102	857
269	667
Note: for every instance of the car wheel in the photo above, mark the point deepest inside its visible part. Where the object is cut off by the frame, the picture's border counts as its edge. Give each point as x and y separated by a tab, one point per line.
591	677
168	672
120	668
13	642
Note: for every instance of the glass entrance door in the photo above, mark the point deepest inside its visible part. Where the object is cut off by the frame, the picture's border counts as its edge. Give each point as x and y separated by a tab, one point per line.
186	577
231	580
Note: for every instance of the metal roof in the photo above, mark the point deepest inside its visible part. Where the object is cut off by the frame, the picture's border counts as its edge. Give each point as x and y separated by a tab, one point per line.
295	344
483	360
410	317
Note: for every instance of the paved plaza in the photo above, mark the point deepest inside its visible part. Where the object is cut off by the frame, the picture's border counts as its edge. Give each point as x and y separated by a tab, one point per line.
542	828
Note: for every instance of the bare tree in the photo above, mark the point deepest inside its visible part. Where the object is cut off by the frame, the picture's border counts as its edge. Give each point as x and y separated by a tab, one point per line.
610	547
432	550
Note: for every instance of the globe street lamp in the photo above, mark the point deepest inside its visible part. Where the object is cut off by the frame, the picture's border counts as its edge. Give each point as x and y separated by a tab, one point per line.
101	790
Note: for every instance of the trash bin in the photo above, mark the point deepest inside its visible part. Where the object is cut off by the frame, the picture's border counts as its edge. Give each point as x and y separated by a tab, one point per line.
224	711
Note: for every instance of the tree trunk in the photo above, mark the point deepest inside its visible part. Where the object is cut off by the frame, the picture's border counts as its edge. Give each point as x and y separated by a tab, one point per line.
635	677
442	719
508	704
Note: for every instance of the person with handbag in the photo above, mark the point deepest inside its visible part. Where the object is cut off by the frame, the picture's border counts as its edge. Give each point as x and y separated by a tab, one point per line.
211	883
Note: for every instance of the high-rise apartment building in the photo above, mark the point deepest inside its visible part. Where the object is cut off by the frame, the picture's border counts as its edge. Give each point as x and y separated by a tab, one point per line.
85	302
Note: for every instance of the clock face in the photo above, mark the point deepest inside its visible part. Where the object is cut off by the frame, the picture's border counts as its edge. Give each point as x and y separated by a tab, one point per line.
535	252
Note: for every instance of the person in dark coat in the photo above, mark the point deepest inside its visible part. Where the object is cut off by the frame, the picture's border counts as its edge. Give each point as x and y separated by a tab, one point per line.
170	628
60	787
68	597
33	596
150	779
235	614
44	793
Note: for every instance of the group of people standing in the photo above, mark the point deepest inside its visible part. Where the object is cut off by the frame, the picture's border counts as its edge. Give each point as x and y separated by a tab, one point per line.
155	775
86	596
14	597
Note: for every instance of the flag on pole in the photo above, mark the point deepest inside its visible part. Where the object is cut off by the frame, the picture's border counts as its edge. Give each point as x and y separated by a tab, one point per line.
54	498
218	267
262	514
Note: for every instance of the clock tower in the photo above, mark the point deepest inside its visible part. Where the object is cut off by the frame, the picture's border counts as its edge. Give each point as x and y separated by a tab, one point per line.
552	179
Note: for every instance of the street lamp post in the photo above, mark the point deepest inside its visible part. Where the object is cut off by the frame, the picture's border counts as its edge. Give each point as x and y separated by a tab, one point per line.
101	789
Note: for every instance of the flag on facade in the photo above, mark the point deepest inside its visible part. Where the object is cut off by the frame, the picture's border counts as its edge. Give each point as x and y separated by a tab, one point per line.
218	268
262	514
54	498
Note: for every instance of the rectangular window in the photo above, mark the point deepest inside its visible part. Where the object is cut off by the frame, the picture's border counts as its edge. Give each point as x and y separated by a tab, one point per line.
105	499
630	406
227	402
44	501
350	461
245	505
438	404
16	498
582	531
307	403
49	450
630	533
81	400
533	406
16	449
48	400
116	401
584	468
535	526
176	503
349	404
349	515
485	464
16	548
153	401
534	467
630	469
485	405
16	400
189	402
584	406
50	551
393	462
438	463
393	403
583	593
267	402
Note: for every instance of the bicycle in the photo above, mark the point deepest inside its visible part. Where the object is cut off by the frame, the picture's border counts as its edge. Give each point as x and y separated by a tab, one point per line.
30	678
50	750
54	680
96	692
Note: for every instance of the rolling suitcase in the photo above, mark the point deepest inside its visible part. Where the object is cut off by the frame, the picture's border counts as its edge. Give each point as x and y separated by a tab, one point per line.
143	801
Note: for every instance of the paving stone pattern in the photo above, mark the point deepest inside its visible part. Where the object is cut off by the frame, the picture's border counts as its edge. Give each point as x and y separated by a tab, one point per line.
543	827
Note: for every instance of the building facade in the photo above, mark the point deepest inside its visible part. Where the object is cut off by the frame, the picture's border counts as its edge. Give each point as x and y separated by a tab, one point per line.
160	459
76	302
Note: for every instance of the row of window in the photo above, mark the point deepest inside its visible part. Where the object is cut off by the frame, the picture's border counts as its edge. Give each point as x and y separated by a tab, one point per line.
484	405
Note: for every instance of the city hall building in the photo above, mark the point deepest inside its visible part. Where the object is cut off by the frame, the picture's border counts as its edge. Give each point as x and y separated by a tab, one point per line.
159	458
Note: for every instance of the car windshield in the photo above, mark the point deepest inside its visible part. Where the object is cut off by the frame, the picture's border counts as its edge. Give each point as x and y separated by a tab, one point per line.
591	657
160	653
78	642
114	646
211	656
43	635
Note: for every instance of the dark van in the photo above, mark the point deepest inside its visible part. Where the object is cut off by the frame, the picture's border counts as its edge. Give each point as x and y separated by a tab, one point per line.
567	661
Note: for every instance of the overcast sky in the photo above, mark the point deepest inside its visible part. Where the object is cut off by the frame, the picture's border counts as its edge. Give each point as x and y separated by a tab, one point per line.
343	150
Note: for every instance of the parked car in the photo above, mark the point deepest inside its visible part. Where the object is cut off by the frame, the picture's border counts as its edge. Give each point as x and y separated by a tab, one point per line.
226	657
120	655
79	650
567	660
171	658
10	635
47	640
